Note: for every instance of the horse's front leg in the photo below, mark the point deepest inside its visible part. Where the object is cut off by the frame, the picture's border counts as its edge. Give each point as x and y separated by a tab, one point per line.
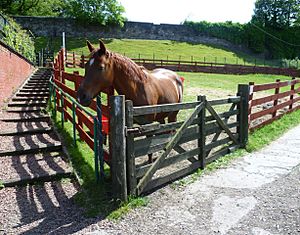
150	155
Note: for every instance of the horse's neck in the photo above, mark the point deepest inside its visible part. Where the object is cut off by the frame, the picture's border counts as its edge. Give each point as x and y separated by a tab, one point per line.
127	80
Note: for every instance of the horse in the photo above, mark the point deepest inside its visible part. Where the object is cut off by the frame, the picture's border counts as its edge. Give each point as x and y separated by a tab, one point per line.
136	83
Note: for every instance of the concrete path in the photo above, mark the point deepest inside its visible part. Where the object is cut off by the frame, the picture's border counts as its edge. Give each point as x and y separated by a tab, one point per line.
258	194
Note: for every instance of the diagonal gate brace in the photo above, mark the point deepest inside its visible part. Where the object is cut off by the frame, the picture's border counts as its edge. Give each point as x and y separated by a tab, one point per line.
155	166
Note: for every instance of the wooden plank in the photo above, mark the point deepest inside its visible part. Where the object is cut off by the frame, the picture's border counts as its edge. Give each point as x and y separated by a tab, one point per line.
273	119
223	115
215	129
144	181
118	147
156	128
218	143
263	87
202	133
140	172
259	114
159	182
130	158
229	100
273	97
151	109
158	142
221	123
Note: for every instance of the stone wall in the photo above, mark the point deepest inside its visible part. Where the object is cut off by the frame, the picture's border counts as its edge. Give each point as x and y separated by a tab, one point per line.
14	69
54	26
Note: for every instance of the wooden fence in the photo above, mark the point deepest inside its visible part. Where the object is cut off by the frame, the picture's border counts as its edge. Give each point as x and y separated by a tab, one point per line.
178	148
144	157
73	60
269	102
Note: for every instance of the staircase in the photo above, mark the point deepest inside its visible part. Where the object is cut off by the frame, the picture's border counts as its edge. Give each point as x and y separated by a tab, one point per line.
30	151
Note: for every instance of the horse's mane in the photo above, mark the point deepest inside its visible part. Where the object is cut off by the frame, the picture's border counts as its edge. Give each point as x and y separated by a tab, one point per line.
129	67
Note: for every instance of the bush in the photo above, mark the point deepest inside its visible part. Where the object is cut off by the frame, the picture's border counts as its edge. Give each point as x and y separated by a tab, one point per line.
18	39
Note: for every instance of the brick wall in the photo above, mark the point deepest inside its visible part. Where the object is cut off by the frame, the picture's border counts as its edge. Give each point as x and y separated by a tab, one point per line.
14	69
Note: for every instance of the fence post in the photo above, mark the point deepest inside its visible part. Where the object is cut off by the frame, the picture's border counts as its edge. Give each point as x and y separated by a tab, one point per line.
276	99
130	159
292	90
251	85
118	154
202	134
100	136
82	61
74	60
242	117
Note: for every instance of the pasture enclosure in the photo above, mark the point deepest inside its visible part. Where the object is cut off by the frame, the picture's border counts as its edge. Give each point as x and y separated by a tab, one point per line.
144	157
73	60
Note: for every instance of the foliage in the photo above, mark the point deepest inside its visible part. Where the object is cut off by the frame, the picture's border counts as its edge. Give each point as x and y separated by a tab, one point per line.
276	13
104	12
18	39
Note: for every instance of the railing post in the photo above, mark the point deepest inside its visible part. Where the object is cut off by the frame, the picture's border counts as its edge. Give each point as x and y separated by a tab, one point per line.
276	99
96	150
118	142
100	136
292	95
202	134
74	122
242	117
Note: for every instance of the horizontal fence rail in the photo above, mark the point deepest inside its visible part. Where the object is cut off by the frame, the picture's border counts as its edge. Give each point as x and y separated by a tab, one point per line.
73	60
269	102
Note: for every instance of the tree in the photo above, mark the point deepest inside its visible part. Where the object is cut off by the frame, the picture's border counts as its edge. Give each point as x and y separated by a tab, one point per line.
276	13
33	7
96	11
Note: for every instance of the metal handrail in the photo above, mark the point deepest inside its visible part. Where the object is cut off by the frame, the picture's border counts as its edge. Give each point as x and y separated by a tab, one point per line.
98	138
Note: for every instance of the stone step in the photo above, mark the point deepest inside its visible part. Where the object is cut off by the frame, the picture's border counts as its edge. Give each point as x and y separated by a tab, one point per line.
35	86
27	118
17	131
32	94
37	82
28	99
24	109
52	176
27	104
31	168
37	148
37	90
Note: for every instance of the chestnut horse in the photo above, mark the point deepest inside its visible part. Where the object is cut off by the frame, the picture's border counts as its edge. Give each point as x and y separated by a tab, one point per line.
143	87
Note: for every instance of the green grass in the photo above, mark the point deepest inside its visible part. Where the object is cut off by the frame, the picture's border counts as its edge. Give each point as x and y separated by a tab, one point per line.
158	49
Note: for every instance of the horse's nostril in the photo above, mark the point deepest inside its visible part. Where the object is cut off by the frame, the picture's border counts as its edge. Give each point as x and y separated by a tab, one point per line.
83	96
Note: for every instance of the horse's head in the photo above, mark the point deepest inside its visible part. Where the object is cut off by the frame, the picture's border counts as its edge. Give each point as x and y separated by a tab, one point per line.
98	74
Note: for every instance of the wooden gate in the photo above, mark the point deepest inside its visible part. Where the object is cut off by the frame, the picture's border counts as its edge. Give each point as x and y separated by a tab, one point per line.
210	130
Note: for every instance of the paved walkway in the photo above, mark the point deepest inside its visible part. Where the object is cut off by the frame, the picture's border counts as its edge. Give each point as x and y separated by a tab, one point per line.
258	194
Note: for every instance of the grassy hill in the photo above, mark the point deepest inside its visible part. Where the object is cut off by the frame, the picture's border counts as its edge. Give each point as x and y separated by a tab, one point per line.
159	49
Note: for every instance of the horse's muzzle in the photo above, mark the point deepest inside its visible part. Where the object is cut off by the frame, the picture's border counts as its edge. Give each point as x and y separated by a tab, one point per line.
83	98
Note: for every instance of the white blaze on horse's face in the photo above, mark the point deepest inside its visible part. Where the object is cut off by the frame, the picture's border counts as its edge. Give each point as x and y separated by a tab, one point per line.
97	77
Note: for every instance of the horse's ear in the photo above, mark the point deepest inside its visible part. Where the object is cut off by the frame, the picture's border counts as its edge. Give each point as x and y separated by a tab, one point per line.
90	46
102	47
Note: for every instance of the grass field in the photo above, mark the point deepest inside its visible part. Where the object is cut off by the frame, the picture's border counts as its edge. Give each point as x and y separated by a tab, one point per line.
159	49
